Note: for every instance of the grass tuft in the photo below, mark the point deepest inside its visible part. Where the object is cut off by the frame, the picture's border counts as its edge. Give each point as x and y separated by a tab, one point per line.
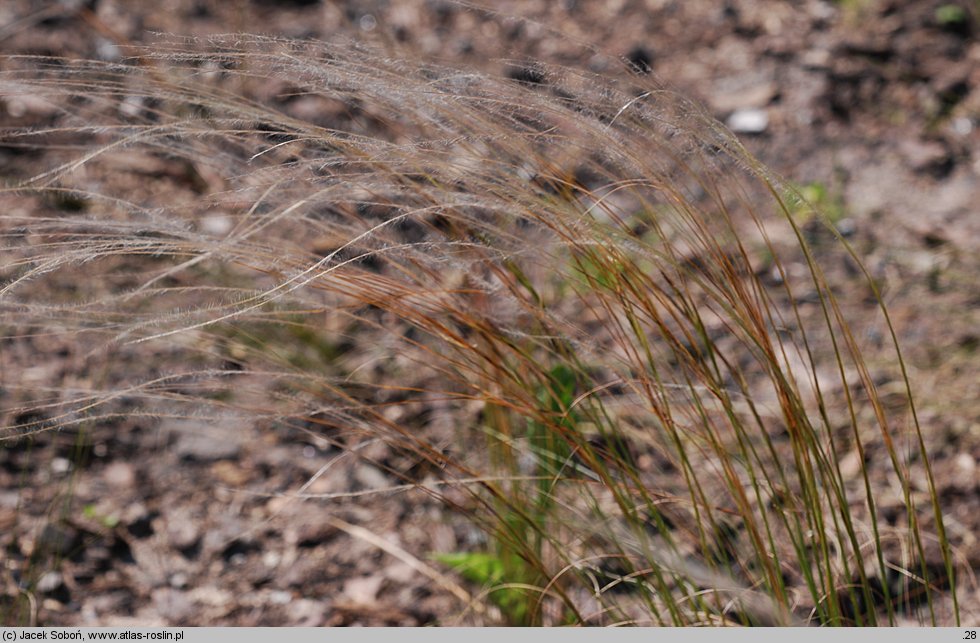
658	411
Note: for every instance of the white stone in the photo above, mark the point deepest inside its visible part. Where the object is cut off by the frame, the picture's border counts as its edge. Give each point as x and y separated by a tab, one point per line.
748	121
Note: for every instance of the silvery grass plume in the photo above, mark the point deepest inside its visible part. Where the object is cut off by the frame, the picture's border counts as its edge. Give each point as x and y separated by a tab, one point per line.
581	302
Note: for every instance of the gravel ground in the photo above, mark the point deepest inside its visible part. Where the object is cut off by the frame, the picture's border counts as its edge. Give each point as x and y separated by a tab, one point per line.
155	522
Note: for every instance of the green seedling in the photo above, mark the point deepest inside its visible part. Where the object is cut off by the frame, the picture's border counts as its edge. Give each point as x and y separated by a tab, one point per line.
91	512
817	198
949	15
501	577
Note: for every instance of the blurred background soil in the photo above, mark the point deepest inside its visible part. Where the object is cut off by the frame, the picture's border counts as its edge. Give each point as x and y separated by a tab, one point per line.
872	106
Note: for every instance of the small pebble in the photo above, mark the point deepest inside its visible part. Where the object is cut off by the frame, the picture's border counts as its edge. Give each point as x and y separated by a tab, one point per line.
846	227
748	121
962	125
60	465
217	224
966	464
178	580
120	475
363	590
280	597
271	559
49	582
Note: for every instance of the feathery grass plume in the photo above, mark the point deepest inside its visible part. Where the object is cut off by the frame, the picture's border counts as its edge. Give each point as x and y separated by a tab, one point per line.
646	381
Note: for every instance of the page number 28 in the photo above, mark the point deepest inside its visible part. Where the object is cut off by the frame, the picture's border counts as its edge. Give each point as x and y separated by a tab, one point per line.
970	635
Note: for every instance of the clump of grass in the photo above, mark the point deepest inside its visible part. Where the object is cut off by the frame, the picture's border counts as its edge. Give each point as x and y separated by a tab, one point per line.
650	429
